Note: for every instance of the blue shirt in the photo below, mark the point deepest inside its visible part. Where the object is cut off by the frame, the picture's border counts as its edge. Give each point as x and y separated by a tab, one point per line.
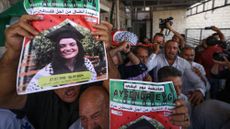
9	120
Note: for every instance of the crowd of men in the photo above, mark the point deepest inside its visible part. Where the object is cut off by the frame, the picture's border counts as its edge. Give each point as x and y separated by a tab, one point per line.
201	73
194	72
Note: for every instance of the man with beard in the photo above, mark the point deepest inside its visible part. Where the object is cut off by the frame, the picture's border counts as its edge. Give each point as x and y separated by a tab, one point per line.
177	37
196	89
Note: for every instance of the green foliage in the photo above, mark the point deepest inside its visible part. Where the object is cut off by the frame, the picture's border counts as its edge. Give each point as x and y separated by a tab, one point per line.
43	50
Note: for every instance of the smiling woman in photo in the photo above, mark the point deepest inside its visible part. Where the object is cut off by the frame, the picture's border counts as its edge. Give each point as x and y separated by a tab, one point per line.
68	56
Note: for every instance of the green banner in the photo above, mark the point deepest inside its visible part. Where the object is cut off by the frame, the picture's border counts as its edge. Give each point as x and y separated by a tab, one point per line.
142	93
89	4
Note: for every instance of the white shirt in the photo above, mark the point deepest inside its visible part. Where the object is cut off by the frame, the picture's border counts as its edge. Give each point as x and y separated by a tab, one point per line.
200	67
190	80
203	74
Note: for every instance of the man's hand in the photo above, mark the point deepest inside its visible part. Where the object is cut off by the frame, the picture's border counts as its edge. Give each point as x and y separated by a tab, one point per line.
155	48
15	33
169	26
196	97
218	31
214	28
180	116
197	71
8	63
226	62
161	30
125	46
147	78
103	33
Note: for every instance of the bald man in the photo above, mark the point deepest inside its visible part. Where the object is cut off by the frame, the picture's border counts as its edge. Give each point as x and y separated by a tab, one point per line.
94	108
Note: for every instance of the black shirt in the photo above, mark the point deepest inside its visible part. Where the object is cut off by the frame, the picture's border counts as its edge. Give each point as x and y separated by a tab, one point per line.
46	111
224	94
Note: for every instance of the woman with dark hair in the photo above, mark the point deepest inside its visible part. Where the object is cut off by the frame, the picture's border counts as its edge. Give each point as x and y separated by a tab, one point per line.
68	57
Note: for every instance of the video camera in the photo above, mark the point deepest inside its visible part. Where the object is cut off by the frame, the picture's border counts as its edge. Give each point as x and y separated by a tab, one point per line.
219	56
163	22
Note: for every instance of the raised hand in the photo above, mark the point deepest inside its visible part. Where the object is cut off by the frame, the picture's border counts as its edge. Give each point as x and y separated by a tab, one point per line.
103	33
180	116
15	33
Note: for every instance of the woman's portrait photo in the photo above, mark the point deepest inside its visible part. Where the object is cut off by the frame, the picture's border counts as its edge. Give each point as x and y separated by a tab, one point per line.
62	56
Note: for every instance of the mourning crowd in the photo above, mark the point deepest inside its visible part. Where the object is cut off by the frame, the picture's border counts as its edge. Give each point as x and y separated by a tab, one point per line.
201	81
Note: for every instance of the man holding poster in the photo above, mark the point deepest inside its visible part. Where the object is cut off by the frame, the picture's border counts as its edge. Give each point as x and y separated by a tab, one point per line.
55	58
43	109
137	104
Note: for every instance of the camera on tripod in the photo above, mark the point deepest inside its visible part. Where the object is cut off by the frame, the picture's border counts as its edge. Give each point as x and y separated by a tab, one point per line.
163	22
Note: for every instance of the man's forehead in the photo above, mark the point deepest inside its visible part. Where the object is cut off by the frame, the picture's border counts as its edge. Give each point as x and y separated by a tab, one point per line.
171	43
189	51
158	37
141	50
174	79
90	112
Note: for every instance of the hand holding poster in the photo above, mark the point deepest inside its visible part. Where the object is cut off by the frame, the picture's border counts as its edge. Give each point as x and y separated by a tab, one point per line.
64	53
137	105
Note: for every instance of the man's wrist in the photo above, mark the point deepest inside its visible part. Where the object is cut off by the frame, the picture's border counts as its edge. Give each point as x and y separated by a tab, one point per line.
127	53
228	65
10	58
201	91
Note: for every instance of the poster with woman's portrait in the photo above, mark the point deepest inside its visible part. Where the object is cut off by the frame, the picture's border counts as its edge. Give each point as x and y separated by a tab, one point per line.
64	53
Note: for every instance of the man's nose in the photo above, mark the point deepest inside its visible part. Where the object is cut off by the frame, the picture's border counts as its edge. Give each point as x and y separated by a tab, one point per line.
90	124
191	58
145	60
177	90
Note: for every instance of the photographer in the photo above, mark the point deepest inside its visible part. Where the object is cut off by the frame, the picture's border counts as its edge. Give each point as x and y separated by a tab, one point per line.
206	60
218	35
221	69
